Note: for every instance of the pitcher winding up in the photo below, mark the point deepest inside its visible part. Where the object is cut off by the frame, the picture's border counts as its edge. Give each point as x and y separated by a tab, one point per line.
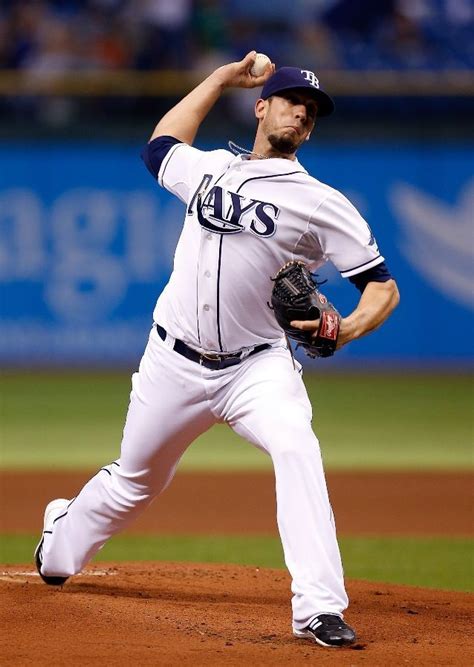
256	226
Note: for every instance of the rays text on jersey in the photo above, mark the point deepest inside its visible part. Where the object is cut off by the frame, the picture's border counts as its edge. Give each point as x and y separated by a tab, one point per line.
224	212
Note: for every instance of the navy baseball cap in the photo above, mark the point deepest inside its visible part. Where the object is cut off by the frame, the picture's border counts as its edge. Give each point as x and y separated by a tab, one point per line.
293	78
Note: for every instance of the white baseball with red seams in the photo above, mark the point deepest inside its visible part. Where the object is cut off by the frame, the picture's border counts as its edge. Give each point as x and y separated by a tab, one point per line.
261	63
244	219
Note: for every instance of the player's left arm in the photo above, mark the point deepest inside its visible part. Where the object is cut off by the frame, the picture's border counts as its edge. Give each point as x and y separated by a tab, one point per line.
379	298
347	240
377	302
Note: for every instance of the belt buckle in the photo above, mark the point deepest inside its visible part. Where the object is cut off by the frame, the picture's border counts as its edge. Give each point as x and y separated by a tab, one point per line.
209	357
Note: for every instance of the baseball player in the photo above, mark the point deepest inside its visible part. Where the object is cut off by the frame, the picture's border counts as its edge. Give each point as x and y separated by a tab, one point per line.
216	353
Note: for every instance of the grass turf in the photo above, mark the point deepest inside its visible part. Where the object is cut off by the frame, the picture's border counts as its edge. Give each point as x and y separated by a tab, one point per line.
402	421
442	563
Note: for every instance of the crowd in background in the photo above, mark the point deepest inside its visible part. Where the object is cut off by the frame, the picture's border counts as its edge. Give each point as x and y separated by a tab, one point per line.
64	35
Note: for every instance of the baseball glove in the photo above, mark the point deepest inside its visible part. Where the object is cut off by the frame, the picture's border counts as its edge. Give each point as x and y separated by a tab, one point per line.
295	297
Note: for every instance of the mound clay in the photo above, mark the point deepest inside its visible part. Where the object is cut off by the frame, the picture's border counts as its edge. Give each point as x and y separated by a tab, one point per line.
184	614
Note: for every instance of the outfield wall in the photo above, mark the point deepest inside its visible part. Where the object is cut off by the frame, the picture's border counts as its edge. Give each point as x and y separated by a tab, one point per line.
87	240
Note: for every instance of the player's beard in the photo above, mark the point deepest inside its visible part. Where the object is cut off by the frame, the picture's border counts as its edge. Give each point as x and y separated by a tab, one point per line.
283	144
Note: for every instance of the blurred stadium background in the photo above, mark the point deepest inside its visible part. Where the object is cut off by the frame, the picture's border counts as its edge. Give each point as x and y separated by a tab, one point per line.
87	239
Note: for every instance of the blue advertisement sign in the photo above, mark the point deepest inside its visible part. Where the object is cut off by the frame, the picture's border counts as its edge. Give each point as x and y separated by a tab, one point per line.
87	242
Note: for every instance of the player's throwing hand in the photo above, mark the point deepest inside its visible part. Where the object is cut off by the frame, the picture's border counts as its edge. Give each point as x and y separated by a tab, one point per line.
238	74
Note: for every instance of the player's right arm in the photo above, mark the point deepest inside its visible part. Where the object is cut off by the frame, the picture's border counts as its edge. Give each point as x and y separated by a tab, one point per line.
184	119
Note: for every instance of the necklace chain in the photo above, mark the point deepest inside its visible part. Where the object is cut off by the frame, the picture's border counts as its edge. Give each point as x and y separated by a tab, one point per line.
238	150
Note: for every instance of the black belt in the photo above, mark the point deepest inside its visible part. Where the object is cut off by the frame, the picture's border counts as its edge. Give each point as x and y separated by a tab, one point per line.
210	360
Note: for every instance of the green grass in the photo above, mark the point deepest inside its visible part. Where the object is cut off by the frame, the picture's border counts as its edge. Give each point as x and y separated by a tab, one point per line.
403	421
442	563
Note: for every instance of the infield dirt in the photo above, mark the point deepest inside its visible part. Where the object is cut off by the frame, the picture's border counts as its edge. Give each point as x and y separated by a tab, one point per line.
170	614
364	503
184	614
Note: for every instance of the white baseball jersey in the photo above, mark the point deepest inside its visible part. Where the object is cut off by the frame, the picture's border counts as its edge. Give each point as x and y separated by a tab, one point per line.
244	219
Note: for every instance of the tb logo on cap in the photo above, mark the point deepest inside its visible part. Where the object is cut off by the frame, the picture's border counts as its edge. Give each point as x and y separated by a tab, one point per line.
310	77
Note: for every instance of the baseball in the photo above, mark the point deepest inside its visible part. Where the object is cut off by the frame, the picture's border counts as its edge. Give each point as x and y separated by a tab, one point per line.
261	62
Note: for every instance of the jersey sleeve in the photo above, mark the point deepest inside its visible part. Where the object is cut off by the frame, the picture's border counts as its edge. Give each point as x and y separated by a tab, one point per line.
178	169
345	237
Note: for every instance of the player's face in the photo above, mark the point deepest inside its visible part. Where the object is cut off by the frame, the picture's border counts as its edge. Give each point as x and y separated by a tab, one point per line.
288	120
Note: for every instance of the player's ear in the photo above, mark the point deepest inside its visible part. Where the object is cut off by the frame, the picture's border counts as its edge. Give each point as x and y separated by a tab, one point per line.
260	106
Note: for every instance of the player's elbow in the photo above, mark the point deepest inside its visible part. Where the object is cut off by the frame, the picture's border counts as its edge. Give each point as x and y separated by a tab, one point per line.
386	294
395	294
392	293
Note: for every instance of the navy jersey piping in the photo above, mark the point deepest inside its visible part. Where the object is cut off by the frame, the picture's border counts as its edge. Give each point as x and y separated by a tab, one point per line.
156	151
378	274
169	155
361	265
219	332
254	178
198	326
258	178
218	294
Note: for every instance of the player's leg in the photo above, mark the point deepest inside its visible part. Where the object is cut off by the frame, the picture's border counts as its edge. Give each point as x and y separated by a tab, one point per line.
267	404
168	410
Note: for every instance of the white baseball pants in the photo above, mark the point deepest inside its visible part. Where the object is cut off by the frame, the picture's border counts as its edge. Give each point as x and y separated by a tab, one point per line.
174	400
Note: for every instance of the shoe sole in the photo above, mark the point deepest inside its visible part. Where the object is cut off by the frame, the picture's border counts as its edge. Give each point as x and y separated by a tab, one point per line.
306	634
51	581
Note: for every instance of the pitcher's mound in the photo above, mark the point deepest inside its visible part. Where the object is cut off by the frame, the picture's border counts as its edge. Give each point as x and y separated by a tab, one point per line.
186	614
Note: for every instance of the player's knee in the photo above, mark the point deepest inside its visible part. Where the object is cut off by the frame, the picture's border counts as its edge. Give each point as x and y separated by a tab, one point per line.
298	444
131	491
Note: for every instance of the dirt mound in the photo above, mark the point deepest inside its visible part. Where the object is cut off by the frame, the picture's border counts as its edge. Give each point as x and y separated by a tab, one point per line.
183	614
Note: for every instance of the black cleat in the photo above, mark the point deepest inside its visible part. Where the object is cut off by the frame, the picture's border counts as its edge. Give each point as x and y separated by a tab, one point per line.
50	514
328	630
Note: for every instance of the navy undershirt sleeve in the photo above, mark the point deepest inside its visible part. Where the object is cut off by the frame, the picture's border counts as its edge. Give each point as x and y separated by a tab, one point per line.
378	274
155	152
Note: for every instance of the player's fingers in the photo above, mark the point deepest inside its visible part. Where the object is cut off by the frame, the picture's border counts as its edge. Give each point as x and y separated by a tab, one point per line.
247	64
305	325
269	70
249	60
244	77
260	80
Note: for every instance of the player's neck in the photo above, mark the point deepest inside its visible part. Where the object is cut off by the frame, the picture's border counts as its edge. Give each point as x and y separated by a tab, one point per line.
264	150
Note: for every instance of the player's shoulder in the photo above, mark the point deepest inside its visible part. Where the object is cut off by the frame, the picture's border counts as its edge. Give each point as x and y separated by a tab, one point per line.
189	152
207	160
216	155
321	190
327	200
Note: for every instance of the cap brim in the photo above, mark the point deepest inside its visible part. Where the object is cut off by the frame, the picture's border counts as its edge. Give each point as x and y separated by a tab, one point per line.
326	104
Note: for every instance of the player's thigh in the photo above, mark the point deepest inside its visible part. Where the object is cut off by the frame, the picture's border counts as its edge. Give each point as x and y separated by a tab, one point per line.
269	404
168	409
